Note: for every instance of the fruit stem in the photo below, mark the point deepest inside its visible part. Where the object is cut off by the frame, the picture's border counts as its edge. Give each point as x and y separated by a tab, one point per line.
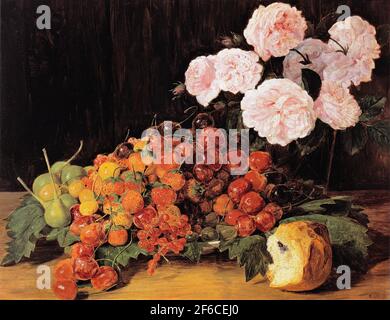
24	185
50	173
330	163
75	154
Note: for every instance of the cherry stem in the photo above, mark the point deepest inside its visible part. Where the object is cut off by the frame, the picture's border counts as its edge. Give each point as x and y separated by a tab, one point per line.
24	185
50	173
75	154
330	163
125	248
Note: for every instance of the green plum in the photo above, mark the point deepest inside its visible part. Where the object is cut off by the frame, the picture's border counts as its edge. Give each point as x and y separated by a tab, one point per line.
42	180
57	167
56	214
68	200
71	172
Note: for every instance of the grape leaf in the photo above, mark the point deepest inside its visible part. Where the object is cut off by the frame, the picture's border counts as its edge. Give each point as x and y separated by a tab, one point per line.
324	205
122	254
193	251
63	236
349	239
251	253
24	226
379	132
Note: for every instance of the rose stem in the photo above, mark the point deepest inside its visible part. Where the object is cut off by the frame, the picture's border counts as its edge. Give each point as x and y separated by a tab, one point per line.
330	163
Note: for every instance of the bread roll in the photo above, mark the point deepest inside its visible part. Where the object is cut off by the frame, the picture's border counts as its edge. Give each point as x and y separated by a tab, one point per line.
302	256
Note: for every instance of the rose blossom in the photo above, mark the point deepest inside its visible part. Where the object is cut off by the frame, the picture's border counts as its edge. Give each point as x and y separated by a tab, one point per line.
336	106
275	29
200	79
279	110
341	68
313	50
357	37
237	70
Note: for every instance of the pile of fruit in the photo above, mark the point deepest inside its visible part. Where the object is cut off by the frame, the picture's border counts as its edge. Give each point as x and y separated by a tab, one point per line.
127	204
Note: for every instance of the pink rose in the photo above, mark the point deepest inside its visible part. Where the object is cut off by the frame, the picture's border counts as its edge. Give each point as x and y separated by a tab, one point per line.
313	50
279	110
356	36
200	79
237	70
343	69
275	29
336	106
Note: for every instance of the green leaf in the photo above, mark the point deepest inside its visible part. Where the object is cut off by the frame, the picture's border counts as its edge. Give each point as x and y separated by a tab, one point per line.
311	82
63	236
24	226
327	204
122	254
313	141
349	239
379	132
354	139
250	252
193	251
232	117
371	107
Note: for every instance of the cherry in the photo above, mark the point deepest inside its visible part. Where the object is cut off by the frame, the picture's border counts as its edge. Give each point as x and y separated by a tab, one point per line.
238	188
232	216
63	270
260	161
123	150
78	224
80	249
275	210
105	278
245	226
202	120
237	160
93	234
144	217
75	212
65	289
203	173
264	221
85	268
251	202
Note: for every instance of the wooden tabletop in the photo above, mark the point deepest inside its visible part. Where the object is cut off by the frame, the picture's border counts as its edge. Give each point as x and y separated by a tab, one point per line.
213	277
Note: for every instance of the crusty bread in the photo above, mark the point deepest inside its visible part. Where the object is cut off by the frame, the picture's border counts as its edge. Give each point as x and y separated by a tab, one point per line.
302	256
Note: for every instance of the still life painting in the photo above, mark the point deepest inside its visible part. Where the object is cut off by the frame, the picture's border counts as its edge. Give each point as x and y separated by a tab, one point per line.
189	149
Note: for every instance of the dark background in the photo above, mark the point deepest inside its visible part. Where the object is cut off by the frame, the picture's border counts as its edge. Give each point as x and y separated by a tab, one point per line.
107	66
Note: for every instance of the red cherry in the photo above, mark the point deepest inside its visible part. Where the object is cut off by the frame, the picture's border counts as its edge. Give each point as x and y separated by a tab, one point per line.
232	216
80	249
237	160
274	209
93	234
78	224
245	226
105	278
75	212
63	270
260	161
203	173
264	221
144	217
238	188
85	268
65	289
251	202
